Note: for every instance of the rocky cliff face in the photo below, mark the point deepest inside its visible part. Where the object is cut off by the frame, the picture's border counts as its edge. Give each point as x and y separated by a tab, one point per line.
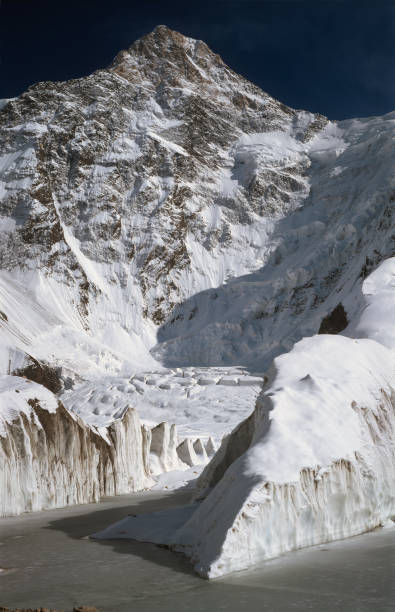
318	254
168	192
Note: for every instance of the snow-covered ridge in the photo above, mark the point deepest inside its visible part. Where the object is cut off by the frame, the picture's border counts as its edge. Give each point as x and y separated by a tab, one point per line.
313	463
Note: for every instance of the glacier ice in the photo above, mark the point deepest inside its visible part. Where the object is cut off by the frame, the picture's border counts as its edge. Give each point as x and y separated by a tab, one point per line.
314	462
50	458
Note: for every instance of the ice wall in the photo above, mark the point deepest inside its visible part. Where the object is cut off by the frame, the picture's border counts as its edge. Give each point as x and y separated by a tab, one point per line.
163	450
316	460
247	518
49	457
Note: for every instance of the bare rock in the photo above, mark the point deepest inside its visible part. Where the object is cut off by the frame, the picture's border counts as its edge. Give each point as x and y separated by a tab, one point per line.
335	322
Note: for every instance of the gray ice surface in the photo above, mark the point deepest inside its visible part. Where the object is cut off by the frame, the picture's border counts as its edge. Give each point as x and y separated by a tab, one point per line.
49	562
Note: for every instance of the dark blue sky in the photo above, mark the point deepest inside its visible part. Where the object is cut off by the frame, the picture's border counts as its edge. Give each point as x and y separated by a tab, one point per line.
335	57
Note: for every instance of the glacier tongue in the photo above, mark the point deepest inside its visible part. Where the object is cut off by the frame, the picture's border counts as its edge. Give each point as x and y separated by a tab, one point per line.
313	463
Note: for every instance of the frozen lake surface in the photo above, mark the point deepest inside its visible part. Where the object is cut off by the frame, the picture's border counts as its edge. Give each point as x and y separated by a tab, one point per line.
48	561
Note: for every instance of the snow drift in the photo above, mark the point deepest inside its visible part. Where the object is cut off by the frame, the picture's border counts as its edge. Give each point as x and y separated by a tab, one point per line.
313	463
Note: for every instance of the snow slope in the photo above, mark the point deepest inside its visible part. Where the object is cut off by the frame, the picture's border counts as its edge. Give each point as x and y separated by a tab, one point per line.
127	192
315	461
166	203
319	253
117	200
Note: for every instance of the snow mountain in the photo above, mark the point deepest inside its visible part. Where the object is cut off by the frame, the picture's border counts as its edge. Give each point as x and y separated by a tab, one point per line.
127	192
167	230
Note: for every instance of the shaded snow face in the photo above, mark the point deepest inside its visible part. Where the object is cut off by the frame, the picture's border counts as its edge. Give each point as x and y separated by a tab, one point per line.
318	462
318	254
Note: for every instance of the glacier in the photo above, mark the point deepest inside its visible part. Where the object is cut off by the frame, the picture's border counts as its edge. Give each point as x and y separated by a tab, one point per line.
314	462
49	458
172	239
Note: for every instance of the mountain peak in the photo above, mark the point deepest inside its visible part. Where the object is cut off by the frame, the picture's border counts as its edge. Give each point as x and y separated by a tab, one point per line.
166	53
163	32
167	40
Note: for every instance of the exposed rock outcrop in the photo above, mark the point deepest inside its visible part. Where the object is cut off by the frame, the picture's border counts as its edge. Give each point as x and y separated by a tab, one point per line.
127	191
41	373
335	322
